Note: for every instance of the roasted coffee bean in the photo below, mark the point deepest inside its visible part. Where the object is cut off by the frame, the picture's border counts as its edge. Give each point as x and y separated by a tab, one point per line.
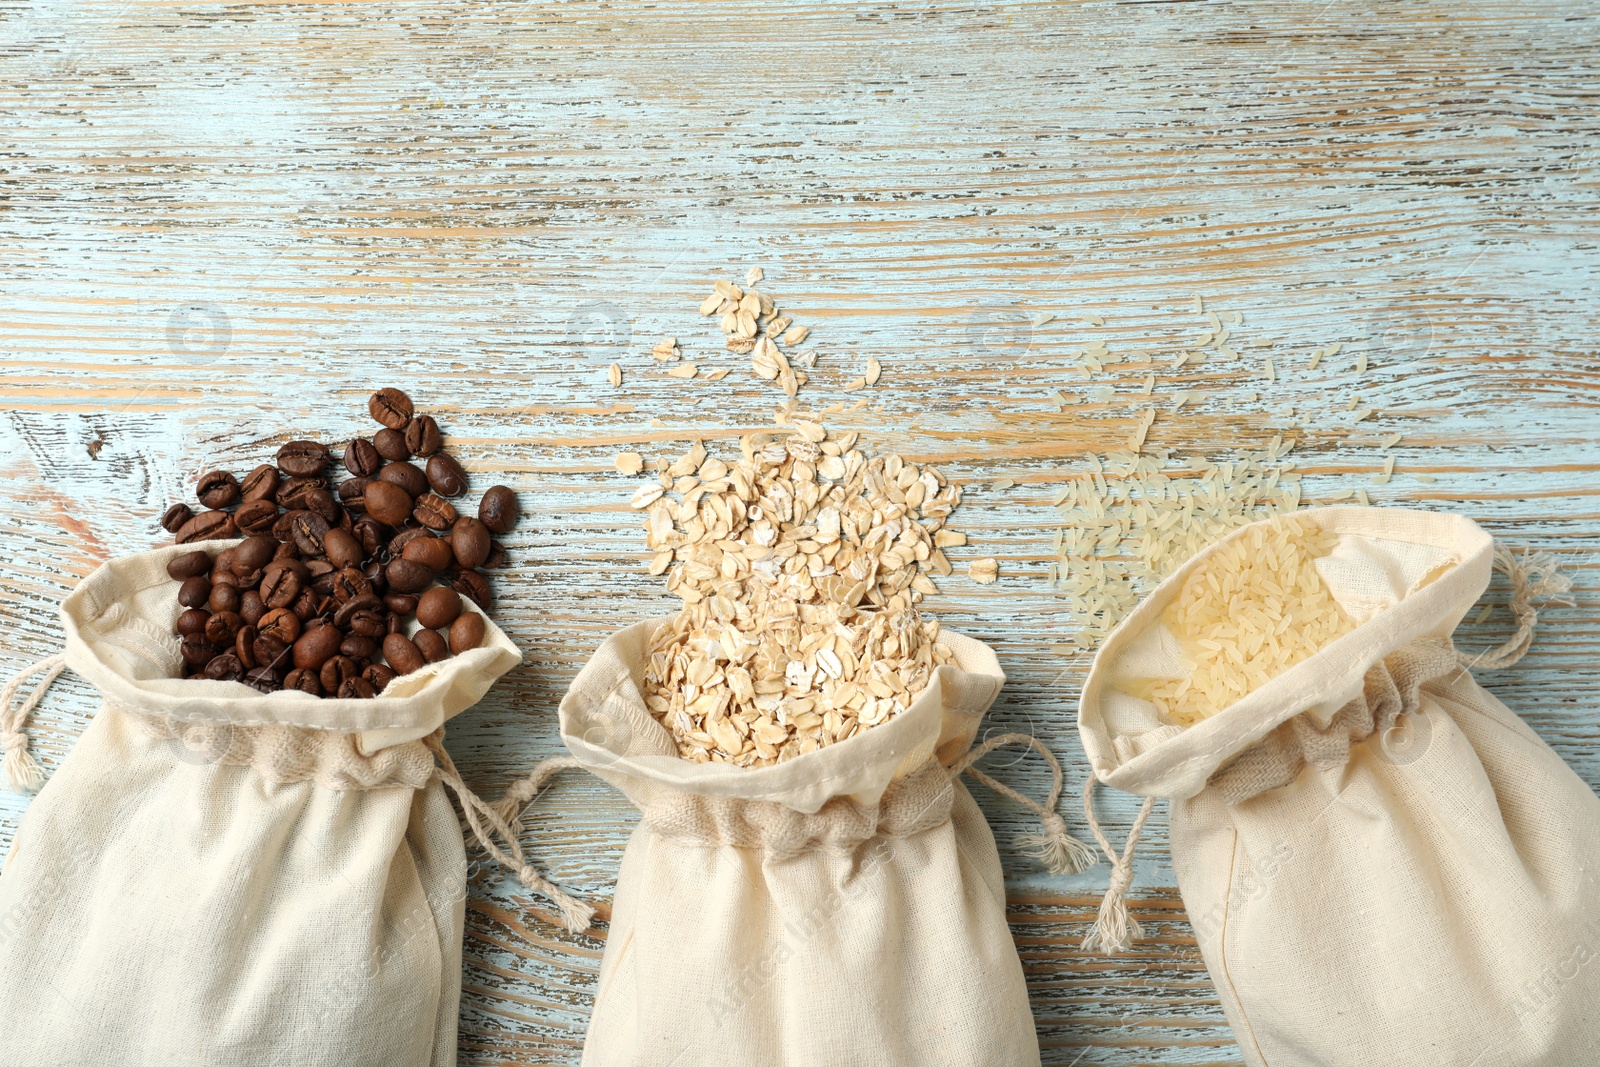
387	503
316	646
406	476
391	444
347	521
188	564
286	551
280	623
390	407
303	459
307	605
292	494
252	554
403	656
244	646
371	533
434	512
303	680
341	549
195	592
474	587
225	667
222	562
468	632
374	574
397	623
445	475
422	435
263	679
407	576
321	502
192	621
497	555
347	611
224	577
469	538
349	584
379	674
438	607
207	526
400	603
217	489
361	458
260	484
432	552
251	607
256	517
196	650
356	689
499	509
350	491
223	597
369	622
270	651
337	671
319	573
283	529
431	645
358	647
173	519
398	543
309	529
280	585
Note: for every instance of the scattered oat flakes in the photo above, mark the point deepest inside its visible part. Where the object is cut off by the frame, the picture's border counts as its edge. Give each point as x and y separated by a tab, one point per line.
854	383
615	374
983	571
874	371
683	370
753	275
629	463
795	334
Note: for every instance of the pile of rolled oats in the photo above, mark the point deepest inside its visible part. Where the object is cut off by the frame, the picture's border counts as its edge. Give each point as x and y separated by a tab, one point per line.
800	567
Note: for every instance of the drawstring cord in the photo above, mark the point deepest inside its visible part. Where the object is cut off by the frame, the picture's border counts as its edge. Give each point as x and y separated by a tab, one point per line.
1060	852
1115	929
523	790
575	914
1534	579
22	772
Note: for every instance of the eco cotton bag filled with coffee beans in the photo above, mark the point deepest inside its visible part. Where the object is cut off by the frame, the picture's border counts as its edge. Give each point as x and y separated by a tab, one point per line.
1383	863
217	876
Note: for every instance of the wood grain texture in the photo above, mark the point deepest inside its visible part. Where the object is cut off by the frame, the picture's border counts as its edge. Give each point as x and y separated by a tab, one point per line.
222	224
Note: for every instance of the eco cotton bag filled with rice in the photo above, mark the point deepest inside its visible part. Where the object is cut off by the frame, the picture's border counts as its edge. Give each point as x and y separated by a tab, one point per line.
1383	864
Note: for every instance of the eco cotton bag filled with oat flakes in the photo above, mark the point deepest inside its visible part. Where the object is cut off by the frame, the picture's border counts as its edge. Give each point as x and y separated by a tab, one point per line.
1383	863
220	877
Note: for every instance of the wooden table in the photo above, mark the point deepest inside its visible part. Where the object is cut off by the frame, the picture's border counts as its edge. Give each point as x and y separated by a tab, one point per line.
222	225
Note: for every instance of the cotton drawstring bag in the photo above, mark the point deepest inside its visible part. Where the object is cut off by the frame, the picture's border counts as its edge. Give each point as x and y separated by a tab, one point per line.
843	907
1382	863
220	877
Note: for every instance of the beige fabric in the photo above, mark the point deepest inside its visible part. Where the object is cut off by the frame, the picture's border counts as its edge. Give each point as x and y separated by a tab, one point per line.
219	877
845	907
1382	863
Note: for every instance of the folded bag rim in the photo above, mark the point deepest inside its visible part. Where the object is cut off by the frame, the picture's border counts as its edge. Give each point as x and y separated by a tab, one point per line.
427	697
1179	766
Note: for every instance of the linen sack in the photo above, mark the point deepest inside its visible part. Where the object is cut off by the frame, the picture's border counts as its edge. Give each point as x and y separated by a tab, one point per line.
845	907
1382	863
220	877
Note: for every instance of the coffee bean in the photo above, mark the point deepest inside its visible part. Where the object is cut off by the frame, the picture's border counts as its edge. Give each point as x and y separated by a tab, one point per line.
349	584
207	526
356	689
358	647
303	459
374	575
280	586
280	623
252	554
445	475
397	624
173	519
188	564
337	671
309	528
431	645
350	491
391	444
292	494
217	489
380	675
361	458
270	651
474	587
225	668
283	529
263	679
222	563
403	656
321	502
196	649
223	598
499	509
497	555
304	681
346	611
256	516
316	646
260	484
438	607
192	621
407	576
222	577
244	646
321	574
369	622
341	549
422	435
406	476
390	407
387	503
223	627
195	592
400	603
432	552
370	533
466	633
398	543
251	607
434	512
469	538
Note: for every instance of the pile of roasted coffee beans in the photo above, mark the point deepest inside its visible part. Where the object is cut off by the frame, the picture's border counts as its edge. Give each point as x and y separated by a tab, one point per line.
318	595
